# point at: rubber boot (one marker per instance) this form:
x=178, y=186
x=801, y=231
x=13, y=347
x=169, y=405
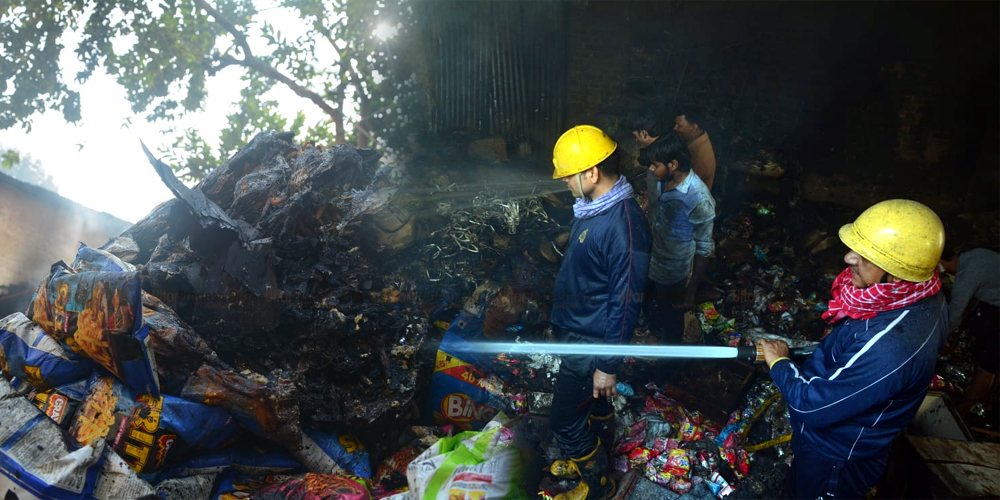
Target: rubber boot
x=565, y=469
x=595, y=482
x=604, y=428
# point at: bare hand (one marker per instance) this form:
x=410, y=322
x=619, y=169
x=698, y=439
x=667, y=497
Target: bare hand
x=604, y=384
x=773, y=349
x=643, y=138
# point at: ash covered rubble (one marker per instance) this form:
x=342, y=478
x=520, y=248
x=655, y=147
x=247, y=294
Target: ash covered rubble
x=737, y=441
x=262, y=259
x=257, y=300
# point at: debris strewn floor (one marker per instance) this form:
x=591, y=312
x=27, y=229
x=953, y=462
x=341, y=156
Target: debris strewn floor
x=305, y=324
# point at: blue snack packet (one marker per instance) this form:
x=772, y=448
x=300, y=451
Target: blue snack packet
x=30, y=354
x=324, y=453
x=60, y=403
x=143, y=428
x=98, y=314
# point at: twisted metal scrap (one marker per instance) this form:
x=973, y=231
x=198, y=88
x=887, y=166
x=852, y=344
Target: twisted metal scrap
x=465, y=227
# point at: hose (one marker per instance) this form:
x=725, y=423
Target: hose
x=985, y=431
x=769, y=443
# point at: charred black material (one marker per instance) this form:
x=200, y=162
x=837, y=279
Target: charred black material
x=254, y=261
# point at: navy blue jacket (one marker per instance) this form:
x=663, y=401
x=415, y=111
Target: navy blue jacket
x=865, y=382
x=598, y=292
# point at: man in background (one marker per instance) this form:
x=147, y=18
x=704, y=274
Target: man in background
x=975, y=303
x=682, y=237
x=688, y=128
x=647, y=130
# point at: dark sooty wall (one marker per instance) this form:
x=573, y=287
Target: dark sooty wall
x=901, y=97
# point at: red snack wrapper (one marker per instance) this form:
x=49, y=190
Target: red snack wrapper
x=697, y=418
x=691, y=431
x=779, y=306
x=654, y=406
x=742, y=462
x=674, y=414
x=708, y=309
x=626, y=444
x=639, y=457
x=656, y=473
x=732, y=441
x=678, y=464
x=661, y=444
x=939, y=383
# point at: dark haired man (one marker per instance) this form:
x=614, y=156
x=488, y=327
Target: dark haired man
x=647, y=130
x=682, y=236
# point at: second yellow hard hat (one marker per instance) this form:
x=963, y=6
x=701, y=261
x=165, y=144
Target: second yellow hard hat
x=903, y=237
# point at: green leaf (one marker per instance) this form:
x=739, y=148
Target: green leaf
x=9, y=159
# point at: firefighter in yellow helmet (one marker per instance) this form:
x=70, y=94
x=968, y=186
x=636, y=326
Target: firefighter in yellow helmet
x=597, y=297
x=864, y=383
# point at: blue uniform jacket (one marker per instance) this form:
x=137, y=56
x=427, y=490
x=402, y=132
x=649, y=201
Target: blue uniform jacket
x=864, y=383
x=598, y=292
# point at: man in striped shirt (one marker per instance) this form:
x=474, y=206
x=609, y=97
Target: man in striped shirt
x=682, y=237
x=866, y=380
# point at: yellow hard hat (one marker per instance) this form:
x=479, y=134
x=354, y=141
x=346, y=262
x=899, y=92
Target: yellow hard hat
x=903, y=237
x=580, y=148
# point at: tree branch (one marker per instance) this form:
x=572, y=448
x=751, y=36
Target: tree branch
x=250, y=61
x=241, y=39
x=295, y=87
x=224, y=62
x=327, y=35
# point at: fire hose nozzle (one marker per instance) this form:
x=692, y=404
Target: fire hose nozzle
x=750, y=354
x=753, y=354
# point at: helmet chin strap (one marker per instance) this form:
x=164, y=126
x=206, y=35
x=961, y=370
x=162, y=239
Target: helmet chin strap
x=579, y=183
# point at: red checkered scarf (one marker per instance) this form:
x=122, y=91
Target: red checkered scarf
x=863, y=303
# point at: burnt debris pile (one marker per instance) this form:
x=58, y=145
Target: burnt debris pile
x=262, y=259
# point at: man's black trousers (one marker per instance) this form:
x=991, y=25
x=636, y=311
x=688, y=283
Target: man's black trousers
x=813, y=475
x=574, y=402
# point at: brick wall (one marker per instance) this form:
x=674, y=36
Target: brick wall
x=38, y=228
x=598, y=63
